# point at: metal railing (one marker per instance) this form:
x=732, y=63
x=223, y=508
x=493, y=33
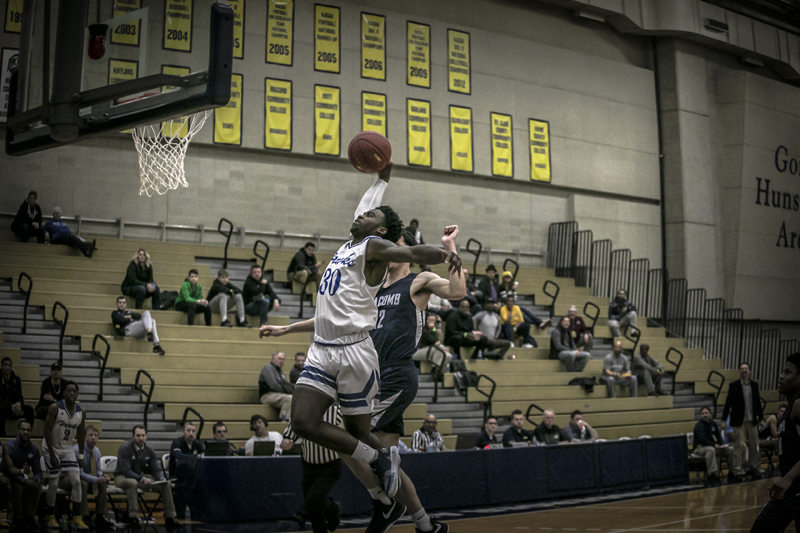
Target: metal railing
x=717, y=387
x=227, y=236
x=633, y=334
x=437, y=358
x=63, y=325
x=676, y=365
x=305, y=289
x=487, y=404
x=516, y=269
x=259, y=256
x=148, y=394
x=477, y=255
x=27, y=294
x=594, y=317
x=199, y=417
x=531, y=407
x=103, y=359
x=553, y=295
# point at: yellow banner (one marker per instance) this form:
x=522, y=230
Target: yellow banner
x=238, y=28
x=119, y=70
x=14, y=16
x=502, y=145
x=461, y=138
x=373, y=113
x=419, y=54
x=326, y=38
x=373, y=46
x=539, y=131
x=278, y=121
x=326, y=120
x=228, y=119
x=178, y=25
x=419, y=132
x=458, y=62
x=280, y=31
x=127, y=34
x=177, y=127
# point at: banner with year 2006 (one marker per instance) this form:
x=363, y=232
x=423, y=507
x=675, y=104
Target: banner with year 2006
x=327, y=120
x=278, y=115
x=461, y=138
x=228, y=119
x=327, y=44
x=373, y=113
x=238, y=28
x=373, y=46
x=419, y=132
x=178, y=16
x=280, y=32
x=502, y=145
x=539, y=135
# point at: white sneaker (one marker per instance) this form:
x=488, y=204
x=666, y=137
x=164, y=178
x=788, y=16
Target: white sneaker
x=527, y=345
x=512, y=345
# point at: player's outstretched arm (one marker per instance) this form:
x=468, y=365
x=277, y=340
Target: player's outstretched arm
x=279, y=331
x=374, y=195
x=778, y=488
x=386, y=252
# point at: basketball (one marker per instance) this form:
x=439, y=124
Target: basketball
x=369, y=152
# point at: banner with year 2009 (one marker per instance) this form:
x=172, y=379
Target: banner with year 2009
x=280, y=32
x=418, y=69
x=327, y=120
x=327, y=43
x=539, y=135
x=228, y=119
x=126, y=34
x=278, y=115
x=238, y=28
x=178, y=16
x=502, y=145
x=419, y=132
x=461, y=138
x=373, y=113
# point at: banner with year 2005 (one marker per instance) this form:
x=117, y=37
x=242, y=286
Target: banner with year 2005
x=228, y=119
x=238, y=28
x=327, y=120
x=128, y=33
x=178, y=16
x=327, y=44
x=280, y=32
x=539, y=135
x=373, y=113
x=418, y=69
x=278, y=115
x=373, y=46
x=419, y=132
x=461, y=138
x=502, y=145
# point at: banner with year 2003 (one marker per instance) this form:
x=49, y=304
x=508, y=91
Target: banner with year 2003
x=327, y=120
x=502, y=145
x=539, y=135
x=278, y=115
x=228, y=119
x=280, y=32
x=327, y=44
x=178, y=16
x=461, y=138
x=126, y=34
x=238, y=28
x=373, y=113
x=419, y=132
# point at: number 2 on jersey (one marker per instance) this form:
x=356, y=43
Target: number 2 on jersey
x=66, y=434
x=330, y=281
x=381, y=314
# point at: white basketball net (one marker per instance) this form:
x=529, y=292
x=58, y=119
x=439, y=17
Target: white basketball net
x=162, y=148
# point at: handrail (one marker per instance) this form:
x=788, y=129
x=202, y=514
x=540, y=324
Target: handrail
x=63, y=325
x=103, y=358
x=27, y=294
x=763, y=404
x=487, y=405
x=198, y=415
x=516, y=268
x=676, y=365
x=227, y=238
x=476, y=254
x=719, y=389
x=305, y=288
x=633, y=334
x=262, y=257
x=593, y=317
x=438, y=364
x=553, y=296
x=528, y=413
x=148, y=394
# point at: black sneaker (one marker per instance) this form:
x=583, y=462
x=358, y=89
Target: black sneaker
x=384, y=516
x=171, y=523
x=437, y=527
x=335, y=519
x=158, y=349
x=300, y=517
x=226, y=324
x=244, y=324
x=149, y=336
x=386, y=467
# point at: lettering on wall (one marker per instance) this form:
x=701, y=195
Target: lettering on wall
x=769, y=196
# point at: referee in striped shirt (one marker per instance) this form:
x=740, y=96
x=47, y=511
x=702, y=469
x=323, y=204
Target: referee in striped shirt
x=322, y=469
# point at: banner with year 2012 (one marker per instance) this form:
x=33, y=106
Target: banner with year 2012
x=461, y=138
x=238, y=28
x=418, y=69
x=419, y=132
x=373, y=46
x=327, y=44
x=280, y=32
x=373, y=113
x=502, y=145
x=126, y=34
x=228, y=119
x=539, y=135
x=458, y=59
x=278, y=115
x=327, y=120
x=178, y=16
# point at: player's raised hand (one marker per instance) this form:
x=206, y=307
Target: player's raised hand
x=453, y=262
x=449, y=238
x=386, y=173
x=271, y=331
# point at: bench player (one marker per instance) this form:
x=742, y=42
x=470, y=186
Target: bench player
x=342, y=363
x=64, y=424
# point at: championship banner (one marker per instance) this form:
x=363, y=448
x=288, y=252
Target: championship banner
x=373, y=46
x=419, y=54
x=373, y=113
x=178, y=25
x=10, y=58
x=14, y=16
x=458, y=62
x=280, y=32
x=326, y=38
x=120, y=70
x=127, y=34
x=419, y=132
x=502, y=145
x=179, y=127
x=228, y=119
x=327, y=120
x=461, y=138
x=539, y=131
x=278, y=115
x=238, y=28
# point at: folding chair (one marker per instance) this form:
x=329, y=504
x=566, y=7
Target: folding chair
x=109, y=463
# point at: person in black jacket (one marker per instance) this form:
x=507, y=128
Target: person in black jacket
x=490, y=290
x=139, y=283
x=460, y=333
x=51, y=392
x=743, y=404
x=621, y=314
x=218, y=296
x=304, y=265
x=138, y=326
x=258, y=295
x=28, y=221
x=12, y=404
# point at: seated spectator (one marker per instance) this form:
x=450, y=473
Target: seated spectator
x=258, y=425
x=12, y=403
x=92, y=480
x=273, y=389
x=578, y=430
x=617, y=371
x=578, y=330
x=190, y=299
x=562, y=347
x=25, y=469
x=138, y=282
x=488, y=287
x=52, y=391
x=621, y=314
x=768, y=433
x=184, y=451
x=513, y=323
x=515, y=434
x=426, y=438
x=57, y=232
x=221, y=435
x=507, y=286
x=219, y=293
x=439, y=306
x=186, y=444
x=548, y=432
x=138, y=467
x=304, y=265
x=28, y=220
x=648, y=370
x=138, y=326
x=488, y=323
x=460, y=333
x=486, y=439
x=6, y=472
x=258, y=295
x=708, y=444
x=297, y=369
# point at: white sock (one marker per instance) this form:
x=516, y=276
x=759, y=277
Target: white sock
x=378, y=493
x=422, y=520
x=365, y=453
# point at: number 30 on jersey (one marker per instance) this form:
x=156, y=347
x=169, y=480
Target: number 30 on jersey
x=330, y=281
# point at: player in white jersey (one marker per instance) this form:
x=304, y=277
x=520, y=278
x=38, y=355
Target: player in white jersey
x=65, y=423
x=342, y=364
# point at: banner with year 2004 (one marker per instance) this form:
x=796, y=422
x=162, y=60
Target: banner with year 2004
x=126, y=34
x=238, y=28
x=176, y=127
x=278, y=115
x=373, y=113
x=327, y=120
x=228, y=119
x=178, y=16
x=461, y=138
x=418, y=69
x=419, y=132
x=539, y=135
x=280, y=32
x=502, y=145
x=327, y=44
x=373, y=46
